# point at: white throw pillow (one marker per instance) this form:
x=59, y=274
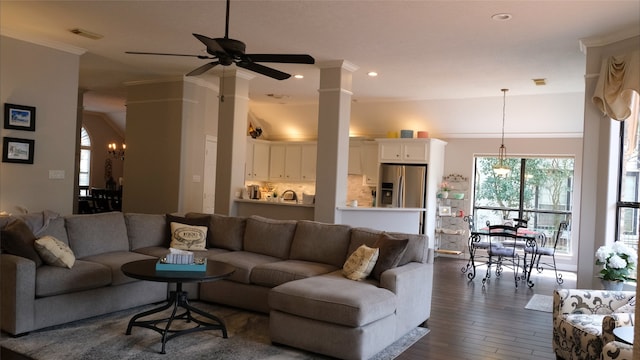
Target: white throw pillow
x=188, y=237
x=359, y=265
x=54, y=252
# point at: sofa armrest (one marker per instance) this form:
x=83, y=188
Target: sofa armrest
x=412, y=283
x=583, y=301
x=613, y=321
x=617, y=350
x=17, y=293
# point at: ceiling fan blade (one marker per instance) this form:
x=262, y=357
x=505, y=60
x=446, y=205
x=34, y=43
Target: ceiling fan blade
x=282, y=58
x=202, y=69
x=211, y=44
x=261, y=69
x=168, y=54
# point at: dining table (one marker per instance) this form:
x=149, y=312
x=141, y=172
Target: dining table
x=520, y=238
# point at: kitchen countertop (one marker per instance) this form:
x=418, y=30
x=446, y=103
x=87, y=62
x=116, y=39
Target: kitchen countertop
x=364, y=208
x=279, y=203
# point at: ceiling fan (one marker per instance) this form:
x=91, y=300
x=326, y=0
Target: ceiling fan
x=228, y=51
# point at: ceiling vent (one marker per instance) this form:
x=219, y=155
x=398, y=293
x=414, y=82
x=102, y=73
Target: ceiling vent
x=540, y=82
x=87, y=34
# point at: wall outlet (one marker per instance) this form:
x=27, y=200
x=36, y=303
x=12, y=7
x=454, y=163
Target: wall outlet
x=56, y=174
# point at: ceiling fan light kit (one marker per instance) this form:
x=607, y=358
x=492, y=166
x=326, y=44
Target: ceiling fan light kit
x=226, y=52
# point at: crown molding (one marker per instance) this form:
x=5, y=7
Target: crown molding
x=47, y=43
x=596, y=41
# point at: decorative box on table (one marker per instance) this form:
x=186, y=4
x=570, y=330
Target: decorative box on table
x=197, y=265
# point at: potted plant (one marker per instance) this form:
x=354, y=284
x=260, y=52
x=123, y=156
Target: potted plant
x=444, y=190
x=618, y=261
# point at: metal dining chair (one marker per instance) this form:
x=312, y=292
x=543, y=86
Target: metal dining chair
x=500, y=254
x=541, y=250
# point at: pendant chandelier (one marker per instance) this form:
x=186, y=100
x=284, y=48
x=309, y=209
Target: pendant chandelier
x=501, y=168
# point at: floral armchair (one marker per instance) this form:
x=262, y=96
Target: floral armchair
x=583, y=321
x=617, y=350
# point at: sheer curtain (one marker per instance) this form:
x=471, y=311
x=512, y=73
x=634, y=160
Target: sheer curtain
x=619, y=79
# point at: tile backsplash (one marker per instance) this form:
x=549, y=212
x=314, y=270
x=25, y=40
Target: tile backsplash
x=355, y=190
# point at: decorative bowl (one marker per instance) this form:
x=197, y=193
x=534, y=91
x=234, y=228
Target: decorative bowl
x=457, y=196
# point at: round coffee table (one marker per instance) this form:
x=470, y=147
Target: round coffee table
x=146, y=270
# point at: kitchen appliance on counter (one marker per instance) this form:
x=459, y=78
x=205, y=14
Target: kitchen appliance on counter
x=403, y=186
x=254, y=192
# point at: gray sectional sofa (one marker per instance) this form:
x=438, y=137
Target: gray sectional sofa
x=291, y=270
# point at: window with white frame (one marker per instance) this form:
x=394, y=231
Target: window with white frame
x=628, y=205
x=85, y=162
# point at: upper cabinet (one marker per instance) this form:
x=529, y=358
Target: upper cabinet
x=309, y=162
x=355, y=155
x=370, y=164
x=257, y=160
x=292, y=162
x=404, y=150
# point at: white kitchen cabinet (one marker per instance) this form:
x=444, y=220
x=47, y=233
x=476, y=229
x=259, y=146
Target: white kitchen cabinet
x=293, y=162
x=404, y=150
x=355, y=158
x=257, y=160
x=370, y=164
x=309, y=162
x=277, y=162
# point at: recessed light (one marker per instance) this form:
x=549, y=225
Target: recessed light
x=298, y=76
x=501, y=17
x=372, y=73
x=87, y=34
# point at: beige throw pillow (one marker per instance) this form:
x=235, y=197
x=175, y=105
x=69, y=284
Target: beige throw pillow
x=188, y=237
x=54, y=252
x=359, y=265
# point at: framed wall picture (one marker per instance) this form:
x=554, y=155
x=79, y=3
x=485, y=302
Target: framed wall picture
x=16, y=150
x=19, y=117
x=444, y=210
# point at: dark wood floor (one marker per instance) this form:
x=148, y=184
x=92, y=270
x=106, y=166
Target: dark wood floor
x=468, y=322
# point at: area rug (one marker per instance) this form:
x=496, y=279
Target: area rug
x=104, y=337
x=540, y=303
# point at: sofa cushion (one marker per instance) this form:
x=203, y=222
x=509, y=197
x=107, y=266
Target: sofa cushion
x=391, y=251
x=56, y=228
x=97, y=233
x=227, y=232
x=54, y=252
x=360, y=264
x=627, y=308
x=85, y=275
x=269, y=237
x=18, y=239
x=319, y=242
x=188, y=237
x=279, y=272
x=332, y=298
x=417, y=248
x=244, y=263
x=114, y=261
x=145, y=230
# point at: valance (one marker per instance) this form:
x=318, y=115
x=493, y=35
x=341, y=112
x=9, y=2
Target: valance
x=619, y=78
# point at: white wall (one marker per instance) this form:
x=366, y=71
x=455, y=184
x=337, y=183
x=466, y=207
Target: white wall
x=46, y=78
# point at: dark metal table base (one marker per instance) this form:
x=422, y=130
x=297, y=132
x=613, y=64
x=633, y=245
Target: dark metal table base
x=177, y=298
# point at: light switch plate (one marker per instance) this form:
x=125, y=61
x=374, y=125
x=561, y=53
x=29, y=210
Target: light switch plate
x=56, y=174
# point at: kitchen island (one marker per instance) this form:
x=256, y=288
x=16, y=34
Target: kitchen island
x=406, y=220
x=279, y=210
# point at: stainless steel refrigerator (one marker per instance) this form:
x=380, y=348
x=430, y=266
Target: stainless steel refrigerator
x=403, y=186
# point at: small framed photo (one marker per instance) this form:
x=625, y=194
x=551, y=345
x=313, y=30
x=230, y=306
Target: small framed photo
x=19, y=117
x=444, y=210
x=16, y=150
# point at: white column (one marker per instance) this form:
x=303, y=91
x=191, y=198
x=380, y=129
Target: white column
x=333, y=138
x=232, y=138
